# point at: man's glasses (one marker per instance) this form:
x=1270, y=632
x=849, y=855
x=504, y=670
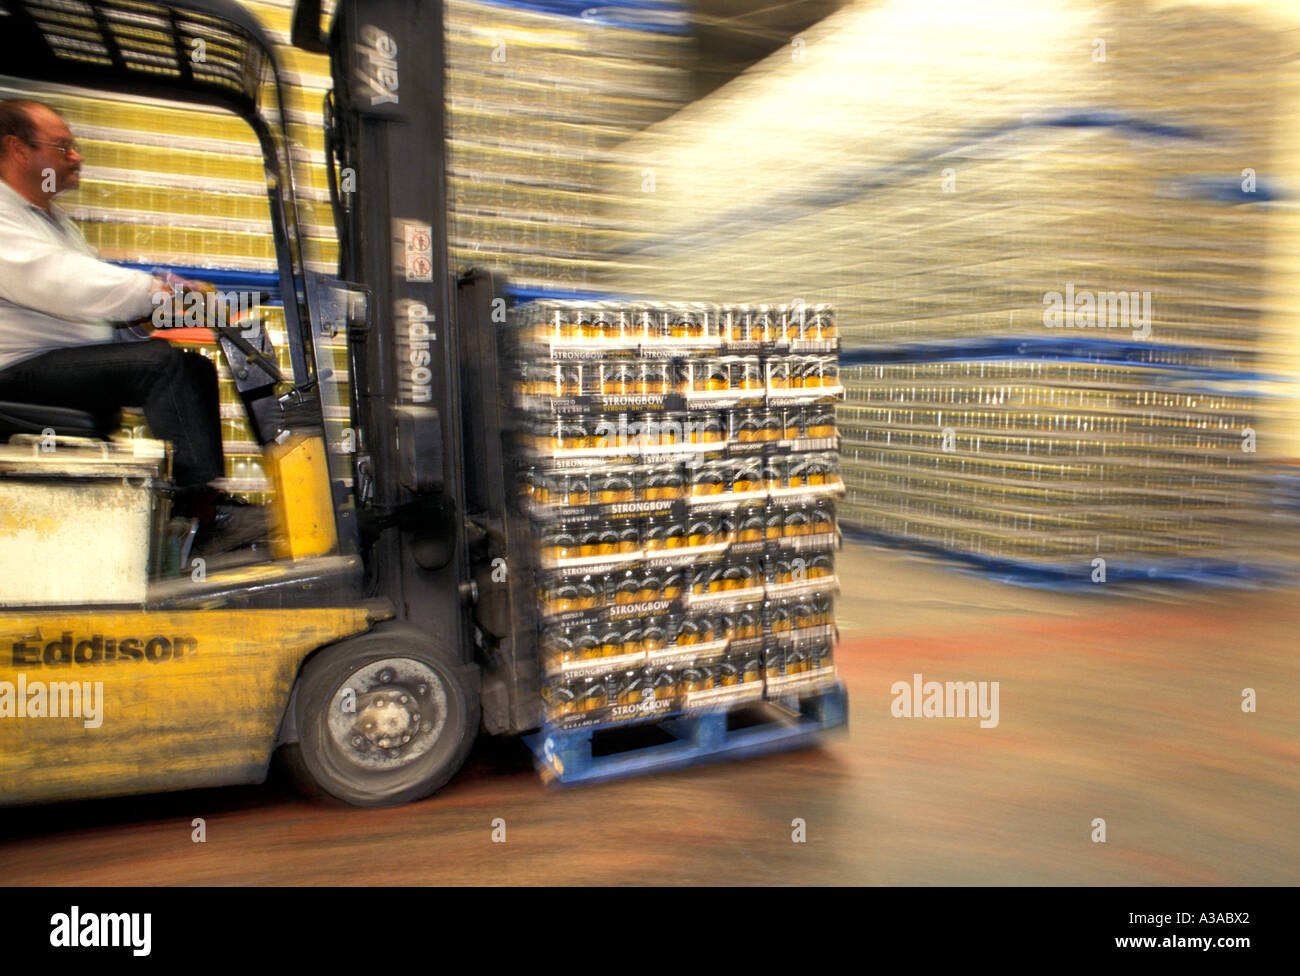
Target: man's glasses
x=62, y=148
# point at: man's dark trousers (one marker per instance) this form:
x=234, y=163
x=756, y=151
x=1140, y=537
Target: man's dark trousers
x=176, y=388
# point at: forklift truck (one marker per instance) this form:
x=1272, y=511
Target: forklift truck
x=394, y=621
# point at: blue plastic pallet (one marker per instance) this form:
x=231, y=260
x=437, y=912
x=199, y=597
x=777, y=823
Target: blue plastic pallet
x=565, y=756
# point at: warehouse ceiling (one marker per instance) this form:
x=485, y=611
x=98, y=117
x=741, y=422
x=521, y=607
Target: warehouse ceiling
x=734, y=34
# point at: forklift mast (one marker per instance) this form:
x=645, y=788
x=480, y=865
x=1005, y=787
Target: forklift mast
x=385, y=155
x=431, y=469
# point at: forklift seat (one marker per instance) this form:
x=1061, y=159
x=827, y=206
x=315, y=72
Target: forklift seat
x=35, y=418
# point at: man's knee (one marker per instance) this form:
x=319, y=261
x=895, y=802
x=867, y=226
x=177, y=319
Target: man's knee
x=200, y=369
x=191, y=368
x=177, y=372
x=157, y=356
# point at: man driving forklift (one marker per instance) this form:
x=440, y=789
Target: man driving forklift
x=58, y=346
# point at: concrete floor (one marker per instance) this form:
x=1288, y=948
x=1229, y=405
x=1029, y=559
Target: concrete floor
x=1112, y=704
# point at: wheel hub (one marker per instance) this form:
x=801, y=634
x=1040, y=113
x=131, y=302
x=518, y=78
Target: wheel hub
x=388, y=719
x=388, y=713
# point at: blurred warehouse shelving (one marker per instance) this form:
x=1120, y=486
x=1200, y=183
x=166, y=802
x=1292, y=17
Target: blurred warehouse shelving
x=938, y=170
x=537, y=101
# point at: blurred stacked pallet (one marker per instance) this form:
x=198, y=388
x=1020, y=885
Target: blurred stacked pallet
x=680, y=476
x=1048, y=464
x=939, y=172
x=538, y=95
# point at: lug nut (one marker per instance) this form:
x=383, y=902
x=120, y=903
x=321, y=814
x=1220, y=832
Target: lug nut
x=357, y=740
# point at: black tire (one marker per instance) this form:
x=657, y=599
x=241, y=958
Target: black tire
x=400, y=685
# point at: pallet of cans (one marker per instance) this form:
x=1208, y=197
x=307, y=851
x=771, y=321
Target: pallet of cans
x=680, y=470
x=1046, y=466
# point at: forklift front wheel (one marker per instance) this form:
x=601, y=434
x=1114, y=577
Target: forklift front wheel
x=383, y=722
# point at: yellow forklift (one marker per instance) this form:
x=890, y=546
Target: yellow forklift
x=379, y=635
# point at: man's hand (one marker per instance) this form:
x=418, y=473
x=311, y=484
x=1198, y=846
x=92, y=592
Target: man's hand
x=170, y=281
x=172, y=295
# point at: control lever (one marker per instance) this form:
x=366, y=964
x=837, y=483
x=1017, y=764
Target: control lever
x=235, y=337
x=295, y=393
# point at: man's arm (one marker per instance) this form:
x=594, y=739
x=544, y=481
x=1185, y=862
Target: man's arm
x=37, y=273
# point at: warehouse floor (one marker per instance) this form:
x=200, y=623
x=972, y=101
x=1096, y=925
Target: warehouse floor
x=1112, y=706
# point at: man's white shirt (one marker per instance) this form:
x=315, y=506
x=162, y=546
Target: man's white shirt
x=54, y=289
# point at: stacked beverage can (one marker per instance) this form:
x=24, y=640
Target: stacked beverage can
x=680, y=471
